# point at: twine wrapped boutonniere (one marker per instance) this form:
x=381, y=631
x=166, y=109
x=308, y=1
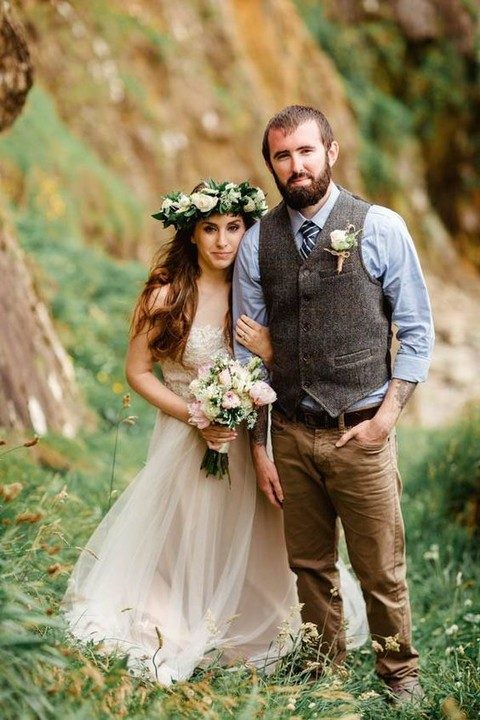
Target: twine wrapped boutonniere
x=342, y=241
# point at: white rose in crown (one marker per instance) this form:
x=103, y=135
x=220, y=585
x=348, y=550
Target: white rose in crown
x=167, y=204
x=183, y=202
x=342, y=241
x=249, y=206
x=203, y=202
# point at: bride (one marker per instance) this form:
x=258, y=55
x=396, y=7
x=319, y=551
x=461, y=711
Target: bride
x=184, y=563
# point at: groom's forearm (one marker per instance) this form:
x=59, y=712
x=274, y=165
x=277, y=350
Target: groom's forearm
x=398, y=394
x=259, y=432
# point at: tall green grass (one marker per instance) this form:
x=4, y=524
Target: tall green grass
x=44, y=676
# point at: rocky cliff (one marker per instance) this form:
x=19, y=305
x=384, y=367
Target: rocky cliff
x=137, y=97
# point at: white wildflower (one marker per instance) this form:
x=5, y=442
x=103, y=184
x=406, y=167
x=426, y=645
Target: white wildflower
x=391, y=643
x=368, y=695
x=432, y=553
x=452, y=630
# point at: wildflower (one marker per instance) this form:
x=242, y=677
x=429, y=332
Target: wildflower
x=309, y=632
x=452, y=630
x=376, y=646
x=368, y=695
x=290, y=706
x=31, y=443
x=451, y=710
x=207, y=700
x=458, y=579
x=29, y=517
x=10, y=492
x=468, y=602
x=292, y=700
x=211, y=624
x=334, y=592
x=126, y=400
x=130, y=420
x=159, y=638
x=50, y=549
x=391, y=643
x=432, y=553
x=189, y=692
x=449, y=650
x=472, y=618
x=311, y=705
x=461, y=650
x=62, y=495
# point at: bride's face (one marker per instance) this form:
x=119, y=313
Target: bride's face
x=217, y=239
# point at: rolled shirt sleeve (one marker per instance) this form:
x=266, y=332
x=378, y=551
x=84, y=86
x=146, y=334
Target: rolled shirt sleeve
x=390, y=256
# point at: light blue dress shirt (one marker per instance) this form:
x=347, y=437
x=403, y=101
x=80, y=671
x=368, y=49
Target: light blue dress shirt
x=389, y=256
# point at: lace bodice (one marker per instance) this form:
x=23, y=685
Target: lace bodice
x=203, y=342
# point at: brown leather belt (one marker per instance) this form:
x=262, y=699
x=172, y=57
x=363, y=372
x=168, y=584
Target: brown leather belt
x=323, y=421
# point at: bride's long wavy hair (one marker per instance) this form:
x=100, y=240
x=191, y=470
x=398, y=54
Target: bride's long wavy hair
x=168, y=326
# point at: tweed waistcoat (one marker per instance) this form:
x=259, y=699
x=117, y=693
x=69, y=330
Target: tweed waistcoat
x=331, y=332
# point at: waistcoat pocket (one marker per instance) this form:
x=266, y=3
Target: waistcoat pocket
x=352, y=358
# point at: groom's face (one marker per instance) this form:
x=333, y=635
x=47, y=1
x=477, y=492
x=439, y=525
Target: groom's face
x=300, y=164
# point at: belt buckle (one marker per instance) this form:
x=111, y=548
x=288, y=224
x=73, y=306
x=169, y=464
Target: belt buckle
x=310, y=419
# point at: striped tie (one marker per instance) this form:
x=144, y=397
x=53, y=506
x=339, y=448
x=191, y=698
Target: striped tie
x=309, y=233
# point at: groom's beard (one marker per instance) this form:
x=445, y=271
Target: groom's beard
x=304, y=196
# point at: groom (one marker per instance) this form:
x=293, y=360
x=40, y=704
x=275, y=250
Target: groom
x=333, y=425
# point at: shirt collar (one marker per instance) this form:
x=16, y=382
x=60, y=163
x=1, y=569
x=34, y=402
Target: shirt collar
x=320, y=217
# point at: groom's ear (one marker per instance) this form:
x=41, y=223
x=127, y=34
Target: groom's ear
x=332, y=153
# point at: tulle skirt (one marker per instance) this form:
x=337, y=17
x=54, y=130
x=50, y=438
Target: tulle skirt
x=184, y=564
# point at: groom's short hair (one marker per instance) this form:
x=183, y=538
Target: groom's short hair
x=290, y=118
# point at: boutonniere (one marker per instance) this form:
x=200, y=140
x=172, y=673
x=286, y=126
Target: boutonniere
x=342, y=241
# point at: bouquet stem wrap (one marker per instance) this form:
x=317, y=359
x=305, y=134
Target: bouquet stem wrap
x=215, y=462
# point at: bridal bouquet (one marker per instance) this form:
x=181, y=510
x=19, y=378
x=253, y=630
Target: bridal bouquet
x=227, y=393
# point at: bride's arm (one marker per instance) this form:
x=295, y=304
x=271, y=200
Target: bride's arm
x=141, y=378
x=254, y=337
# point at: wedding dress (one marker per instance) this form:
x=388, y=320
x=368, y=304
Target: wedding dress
x=183, y=564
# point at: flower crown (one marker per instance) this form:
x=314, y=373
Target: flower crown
x=181, y=210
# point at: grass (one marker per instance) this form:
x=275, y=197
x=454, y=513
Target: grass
x=43, y=676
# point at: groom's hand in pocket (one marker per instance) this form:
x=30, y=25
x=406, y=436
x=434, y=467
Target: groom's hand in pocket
x=267, y=476
x=368, y=432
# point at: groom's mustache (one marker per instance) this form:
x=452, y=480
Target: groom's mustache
x=299, y=176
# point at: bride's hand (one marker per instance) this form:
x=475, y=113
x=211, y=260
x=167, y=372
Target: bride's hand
x=254, y=337
x=217, y=435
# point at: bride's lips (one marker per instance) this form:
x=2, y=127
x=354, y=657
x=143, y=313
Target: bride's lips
x=223, y=255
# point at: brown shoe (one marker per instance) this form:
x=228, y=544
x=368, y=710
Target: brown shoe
x=406, y=691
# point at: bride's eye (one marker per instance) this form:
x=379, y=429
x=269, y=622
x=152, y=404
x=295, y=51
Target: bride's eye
x=234, y=228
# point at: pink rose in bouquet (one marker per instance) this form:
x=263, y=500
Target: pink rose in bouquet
x=261, y=393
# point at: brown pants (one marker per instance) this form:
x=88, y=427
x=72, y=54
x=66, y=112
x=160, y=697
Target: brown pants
x=361, y=486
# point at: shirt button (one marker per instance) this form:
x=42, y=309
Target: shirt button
x=306, y=272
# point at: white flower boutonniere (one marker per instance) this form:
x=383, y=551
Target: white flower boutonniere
x=342, y=241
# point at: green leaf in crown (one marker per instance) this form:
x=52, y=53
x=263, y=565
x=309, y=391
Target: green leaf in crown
x=180, y=210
